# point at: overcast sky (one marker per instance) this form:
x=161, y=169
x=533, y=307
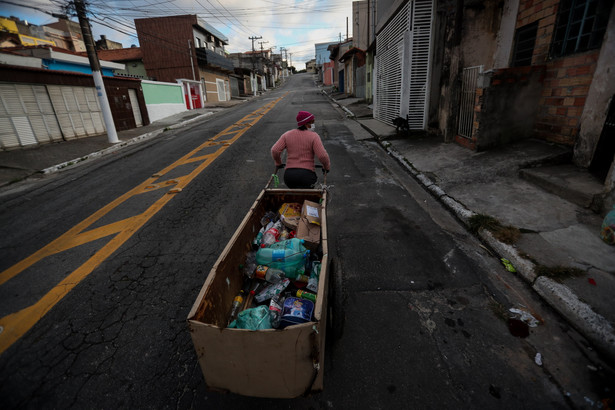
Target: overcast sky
x=295, y=25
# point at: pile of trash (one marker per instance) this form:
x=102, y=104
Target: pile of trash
x=282, y=271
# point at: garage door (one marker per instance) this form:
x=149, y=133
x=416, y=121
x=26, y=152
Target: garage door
x=26, y=116
x=403, y=50
x=77, y=110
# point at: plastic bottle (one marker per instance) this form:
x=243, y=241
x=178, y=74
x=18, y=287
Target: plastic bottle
x=256, y=243
x=306, y=295
x=275, y=310
x=237, y=303
x=272, y=234
x=295, y=244
x=269, y=216
x=289, y=256
x=253, y=289
x=285, y=234
x=314, y=277
x=250, y=265
x=271, y=275
x=271, y=290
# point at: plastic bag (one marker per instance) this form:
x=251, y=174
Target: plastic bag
x=607, y=233
x=257, y=318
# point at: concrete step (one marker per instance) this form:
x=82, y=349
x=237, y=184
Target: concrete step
x=569, y=182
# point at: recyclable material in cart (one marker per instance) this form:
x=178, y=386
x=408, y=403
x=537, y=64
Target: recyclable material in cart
x=289, y=256
x=309, y=224
x=290, y=354
x=296, y=311
x=290, y=213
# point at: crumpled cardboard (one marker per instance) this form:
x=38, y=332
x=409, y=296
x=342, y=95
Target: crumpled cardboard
x=309, y=224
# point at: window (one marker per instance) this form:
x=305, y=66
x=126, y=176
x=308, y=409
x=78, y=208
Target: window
x=198, y=43
x=580, y=26
x=525, y=37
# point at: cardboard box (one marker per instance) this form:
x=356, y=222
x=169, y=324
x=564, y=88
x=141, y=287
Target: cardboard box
x=266, y=363
x=309, y=224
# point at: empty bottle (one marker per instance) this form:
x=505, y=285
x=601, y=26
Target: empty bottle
x=271, y=275
x=275, y=310
x=306, y=295
x=285, y=234
x=271, y=290
x=293, y=243
x=289, y=256
x=256, y=243
x=314, y=277
x=269, y=216
x=272, y=234
x=236, y=306
x=250, y=265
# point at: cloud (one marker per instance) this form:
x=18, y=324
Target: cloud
x=294, y=24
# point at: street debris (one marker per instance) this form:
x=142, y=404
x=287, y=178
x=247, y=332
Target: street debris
x=509, y=266
x=525, y=317
x=538, y=359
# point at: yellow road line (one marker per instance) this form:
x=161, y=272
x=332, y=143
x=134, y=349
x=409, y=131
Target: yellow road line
x=17, y=324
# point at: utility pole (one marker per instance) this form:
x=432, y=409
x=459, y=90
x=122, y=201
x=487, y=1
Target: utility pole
x=95, y=66
x=263, y=57
x=291, y=61
x=253, y=64
x=282, y=50
x=261, y=43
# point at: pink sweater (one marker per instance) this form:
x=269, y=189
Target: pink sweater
x=301, y=146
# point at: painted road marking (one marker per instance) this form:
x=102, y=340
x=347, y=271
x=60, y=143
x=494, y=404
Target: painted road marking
x=17, y=324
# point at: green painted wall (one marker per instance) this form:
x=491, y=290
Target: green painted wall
x=162, y=93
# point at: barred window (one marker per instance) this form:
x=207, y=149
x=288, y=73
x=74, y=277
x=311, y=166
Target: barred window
x=580, y=26
x=525, y=38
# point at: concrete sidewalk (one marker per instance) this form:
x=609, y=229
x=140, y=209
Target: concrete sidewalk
x=32, y=162
x=529, y=185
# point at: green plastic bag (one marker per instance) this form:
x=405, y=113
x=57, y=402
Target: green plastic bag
x=607, y=233
x=257, y=318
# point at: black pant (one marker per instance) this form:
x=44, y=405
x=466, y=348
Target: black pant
x=300, y=178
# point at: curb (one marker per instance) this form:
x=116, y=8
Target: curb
x=561, y=298
x=120, y=145
x=593, y=326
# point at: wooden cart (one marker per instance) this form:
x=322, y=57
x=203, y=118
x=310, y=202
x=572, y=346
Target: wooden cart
x=267, y=363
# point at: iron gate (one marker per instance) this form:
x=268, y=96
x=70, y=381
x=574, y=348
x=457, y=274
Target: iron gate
x=469, y=80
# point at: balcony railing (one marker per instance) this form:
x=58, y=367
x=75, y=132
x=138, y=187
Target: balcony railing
x=207, y=57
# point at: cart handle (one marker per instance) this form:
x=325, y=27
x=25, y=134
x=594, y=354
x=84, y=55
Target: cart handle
x=274, y=175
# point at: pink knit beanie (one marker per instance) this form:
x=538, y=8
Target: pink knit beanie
x=303, y=118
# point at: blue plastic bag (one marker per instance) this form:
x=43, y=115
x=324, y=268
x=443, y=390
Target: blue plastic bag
x=257, y=318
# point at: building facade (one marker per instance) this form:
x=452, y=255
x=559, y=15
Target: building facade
x=187, y=50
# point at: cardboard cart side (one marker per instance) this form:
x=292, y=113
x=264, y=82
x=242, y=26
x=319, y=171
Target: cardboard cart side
x=267, y=363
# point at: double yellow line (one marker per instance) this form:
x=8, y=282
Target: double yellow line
x=17, y=324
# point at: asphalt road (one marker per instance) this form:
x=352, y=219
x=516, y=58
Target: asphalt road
x=424, y=302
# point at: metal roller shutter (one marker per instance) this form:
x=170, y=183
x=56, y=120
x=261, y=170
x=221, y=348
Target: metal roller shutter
x=57, y=100
x=422, y=17
x=403, y=65
x=72, y=107
x=27, y=116
x=8, y=135
x=389, y=52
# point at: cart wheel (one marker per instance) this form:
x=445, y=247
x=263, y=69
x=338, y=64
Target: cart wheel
x=335, y=302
